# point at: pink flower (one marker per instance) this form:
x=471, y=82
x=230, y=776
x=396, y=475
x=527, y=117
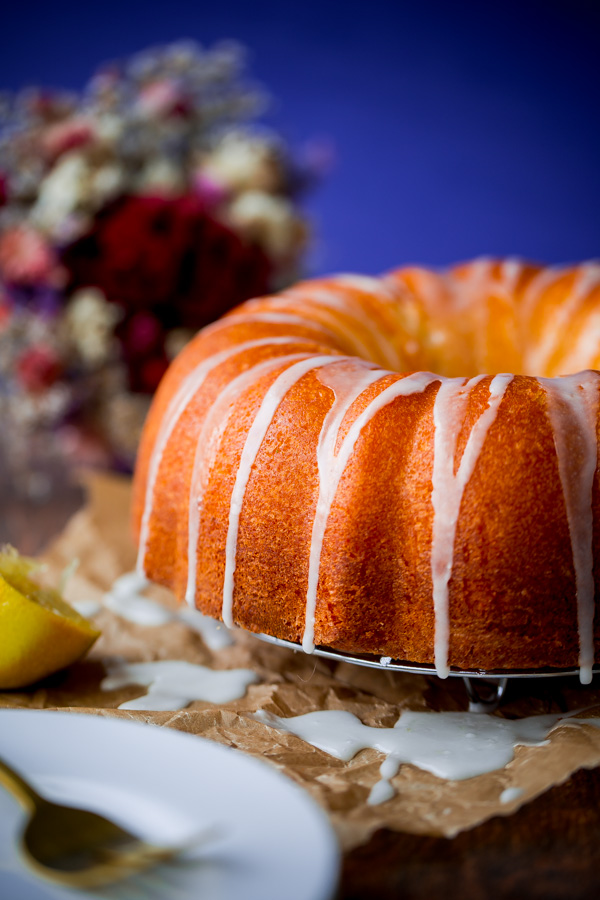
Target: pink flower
x=5, y=311
x=62, y=136
x=163, y=98
x=26, y=257
x=209, y=191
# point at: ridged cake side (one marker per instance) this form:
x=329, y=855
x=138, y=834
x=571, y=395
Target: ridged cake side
x=290, y=480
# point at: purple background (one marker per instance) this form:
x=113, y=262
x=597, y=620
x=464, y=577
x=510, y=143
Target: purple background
x=461, y=128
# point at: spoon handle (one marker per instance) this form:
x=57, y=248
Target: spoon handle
x=18, y=787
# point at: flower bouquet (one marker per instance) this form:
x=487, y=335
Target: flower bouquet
x=131, y=215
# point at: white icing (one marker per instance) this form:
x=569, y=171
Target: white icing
x=207, y=447
x=538, y=285
x=347, y=384
x=215, y=634
x=584, y=350
x=451, y=745
x=468, y=292
x=448, y=488
x=511, y=273
x=86, y=607
x=349, y=307
x=573, y=409
x=190, y=385
x=270, y=403
x=281, y=318
x=381, y=791
x=403, y=387
x=327, y=311
x=127, y=600
x=368, y=284
x=587, y=278
x=173, y=684
x=131, y=584
x=511, y=793
x=376, y=290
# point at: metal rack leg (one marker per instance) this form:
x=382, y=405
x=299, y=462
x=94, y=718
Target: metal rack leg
x=485, y=694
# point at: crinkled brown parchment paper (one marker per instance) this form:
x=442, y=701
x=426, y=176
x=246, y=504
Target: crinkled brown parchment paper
x=293, y=683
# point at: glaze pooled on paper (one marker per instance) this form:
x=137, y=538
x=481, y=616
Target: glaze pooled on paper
x=174, y=684
x=451, y=745
x=126, y=599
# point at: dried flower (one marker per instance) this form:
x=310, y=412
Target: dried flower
x=240, y=162
x=88, y=326
x=131, y=215
x=270, y=221
x=38, y=368
x=26, y=257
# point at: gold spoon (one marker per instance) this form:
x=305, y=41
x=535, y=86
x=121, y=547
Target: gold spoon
x=76, y=847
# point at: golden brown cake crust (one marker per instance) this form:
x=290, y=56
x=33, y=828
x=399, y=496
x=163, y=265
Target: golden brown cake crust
x=514, y=598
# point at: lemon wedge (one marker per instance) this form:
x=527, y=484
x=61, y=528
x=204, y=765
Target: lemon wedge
x=39, y=632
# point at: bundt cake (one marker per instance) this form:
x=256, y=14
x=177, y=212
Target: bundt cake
x=303, y=473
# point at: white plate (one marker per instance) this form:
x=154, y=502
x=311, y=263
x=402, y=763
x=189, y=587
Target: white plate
x=272, y=840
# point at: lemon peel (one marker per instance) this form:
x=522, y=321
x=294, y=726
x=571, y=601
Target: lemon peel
x=39, y=632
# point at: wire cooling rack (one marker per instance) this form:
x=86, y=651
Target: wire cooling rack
x=485, y=688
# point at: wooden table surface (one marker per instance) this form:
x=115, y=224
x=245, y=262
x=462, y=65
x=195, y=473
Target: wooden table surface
x=547, y=850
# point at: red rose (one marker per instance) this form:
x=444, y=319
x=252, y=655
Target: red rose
x=38, y=368
x=146, y=252
x=169, y=258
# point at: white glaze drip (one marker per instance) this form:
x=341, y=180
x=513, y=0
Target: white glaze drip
x=388, y=355
x=468, y=292
x=586, y=280
x=347, y=384
x=584, y=350
x=281, y=318
x=374, y=288
x=451, y=745
x=511, y=273
x=534, y=292
x=214, y=633
x=174, y=684
x=368, y=284
x=86, y=607
x=448, y=415
x=190, y=385
x=573, y=409
x=254, y=439
x=509, y=794
x=381, y=791
x=324, y=310
x=207, y=446
x=540, y=283
x=126, y=599
x=412, y=384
